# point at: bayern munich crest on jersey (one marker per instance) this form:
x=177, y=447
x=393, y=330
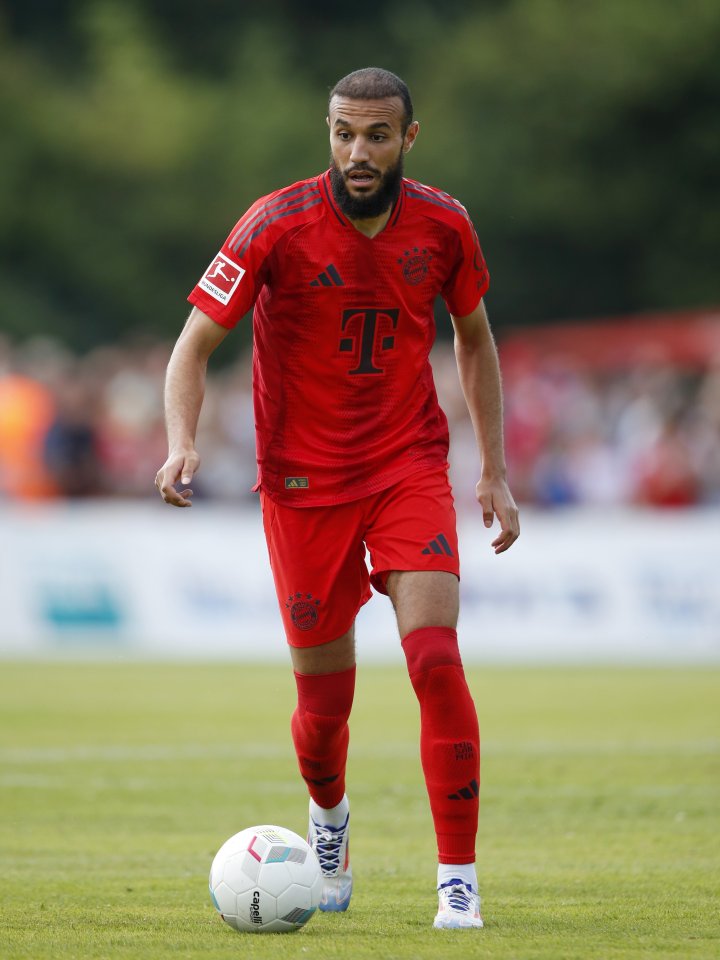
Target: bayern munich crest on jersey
x=221, y=278
x=415, y=264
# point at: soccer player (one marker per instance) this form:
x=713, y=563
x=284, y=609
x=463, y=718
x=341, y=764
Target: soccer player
x=343, y=270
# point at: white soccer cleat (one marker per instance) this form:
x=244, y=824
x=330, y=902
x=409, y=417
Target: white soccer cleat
x=332, y=848
x=458, y=908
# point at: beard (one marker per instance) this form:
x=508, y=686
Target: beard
x=374, y=205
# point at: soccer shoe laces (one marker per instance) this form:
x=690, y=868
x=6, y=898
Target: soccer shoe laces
x=459, y=907
x=327, y=846
x=458, y=895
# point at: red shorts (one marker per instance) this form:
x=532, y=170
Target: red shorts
x=317, y=554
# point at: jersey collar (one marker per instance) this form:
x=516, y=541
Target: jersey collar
x=326, y=189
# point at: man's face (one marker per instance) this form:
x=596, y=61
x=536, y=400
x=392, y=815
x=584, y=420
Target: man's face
x=367, y=146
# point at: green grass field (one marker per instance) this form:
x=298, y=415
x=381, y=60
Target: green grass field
x=599, y=838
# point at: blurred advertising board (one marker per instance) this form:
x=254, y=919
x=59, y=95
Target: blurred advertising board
x=93, y=579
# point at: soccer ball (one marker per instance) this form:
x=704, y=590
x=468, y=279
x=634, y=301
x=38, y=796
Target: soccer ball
x=266, y=879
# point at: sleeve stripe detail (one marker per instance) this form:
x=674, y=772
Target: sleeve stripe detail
x=293, y=201
x=242, y=245
x=439, y=200
x=266, y=207
x=433, y=192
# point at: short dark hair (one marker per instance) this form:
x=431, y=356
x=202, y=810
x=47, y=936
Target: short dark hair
x=374, y=83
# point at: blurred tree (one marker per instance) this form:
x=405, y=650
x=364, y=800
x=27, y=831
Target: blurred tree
x=118, y=187
x=582, y=137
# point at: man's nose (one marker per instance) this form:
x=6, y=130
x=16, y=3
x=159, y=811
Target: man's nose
x=359, y=152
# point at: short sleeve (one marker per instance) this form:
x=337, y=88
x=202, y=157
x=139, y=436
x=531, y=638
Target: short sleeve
x=234, y=278
x=469, y=278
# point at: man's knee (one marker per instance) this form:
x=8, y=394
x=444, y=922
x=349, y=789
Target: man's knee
x=430, y=647
x=332, y=657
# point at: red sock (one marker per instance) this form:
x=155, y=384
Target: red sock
x=320, y=732
x=449, y=739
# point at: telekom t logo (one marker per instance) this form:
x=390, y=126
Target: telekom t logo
x=365, y=325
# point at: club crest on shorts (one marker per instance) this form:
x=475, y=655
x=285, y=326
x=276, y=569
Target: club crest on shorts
x=303, y=609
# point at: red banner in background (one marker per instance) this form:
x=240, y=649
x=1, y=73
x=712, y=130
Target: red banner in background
x=687, y=338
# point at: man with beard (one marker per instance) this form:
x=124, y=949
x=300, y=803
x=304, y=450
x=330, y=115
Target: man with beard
x=343, y=270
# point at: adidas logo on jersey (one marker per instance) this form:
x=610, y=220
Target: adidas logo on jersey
x=328, y=278
x=439, y=545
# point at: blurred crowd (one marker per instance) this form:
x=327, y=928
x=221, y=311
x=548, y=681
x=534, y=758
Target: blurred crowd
x=91, y=426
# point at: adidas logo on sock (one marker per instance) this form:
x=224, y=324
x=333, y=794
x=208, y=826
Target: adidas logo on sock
x=439, y=545
x=321, y=781
x=466, y=793
x=328, y=278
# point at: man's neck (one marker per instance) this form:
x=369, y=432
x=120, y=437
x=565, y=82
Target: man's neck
x=372, y=226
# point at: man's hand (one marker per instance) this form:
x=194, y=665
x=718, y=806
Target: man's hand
x=179, y=467
x=496, y=501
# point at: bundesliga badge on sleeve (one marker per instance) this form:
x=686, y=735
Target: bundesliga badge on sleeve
x=221, y=278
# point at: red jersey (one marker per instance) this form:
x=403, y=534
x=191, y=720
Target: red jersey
x=345, y=403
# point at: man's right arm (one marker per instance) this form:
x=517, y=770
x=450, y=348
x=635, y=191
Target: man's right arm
x=184, y=393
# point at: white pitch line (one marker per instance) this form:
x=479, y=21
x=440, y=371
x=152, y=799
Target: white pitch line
x=164, y=752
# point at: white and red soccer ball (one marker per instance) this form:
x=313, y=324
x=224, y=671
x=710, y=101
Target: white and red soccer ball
x=266, y=879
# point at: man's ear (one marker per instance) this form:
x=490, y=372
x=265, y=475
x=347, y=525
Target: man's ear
x=410, y=135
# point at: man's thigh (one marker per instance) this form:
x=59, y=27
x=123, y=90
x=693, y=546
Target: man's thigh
x=317, y=556
x=413, y=526
x=423, y=598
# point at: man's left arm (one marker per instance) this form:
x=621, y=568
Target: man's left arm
x=479, y=371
